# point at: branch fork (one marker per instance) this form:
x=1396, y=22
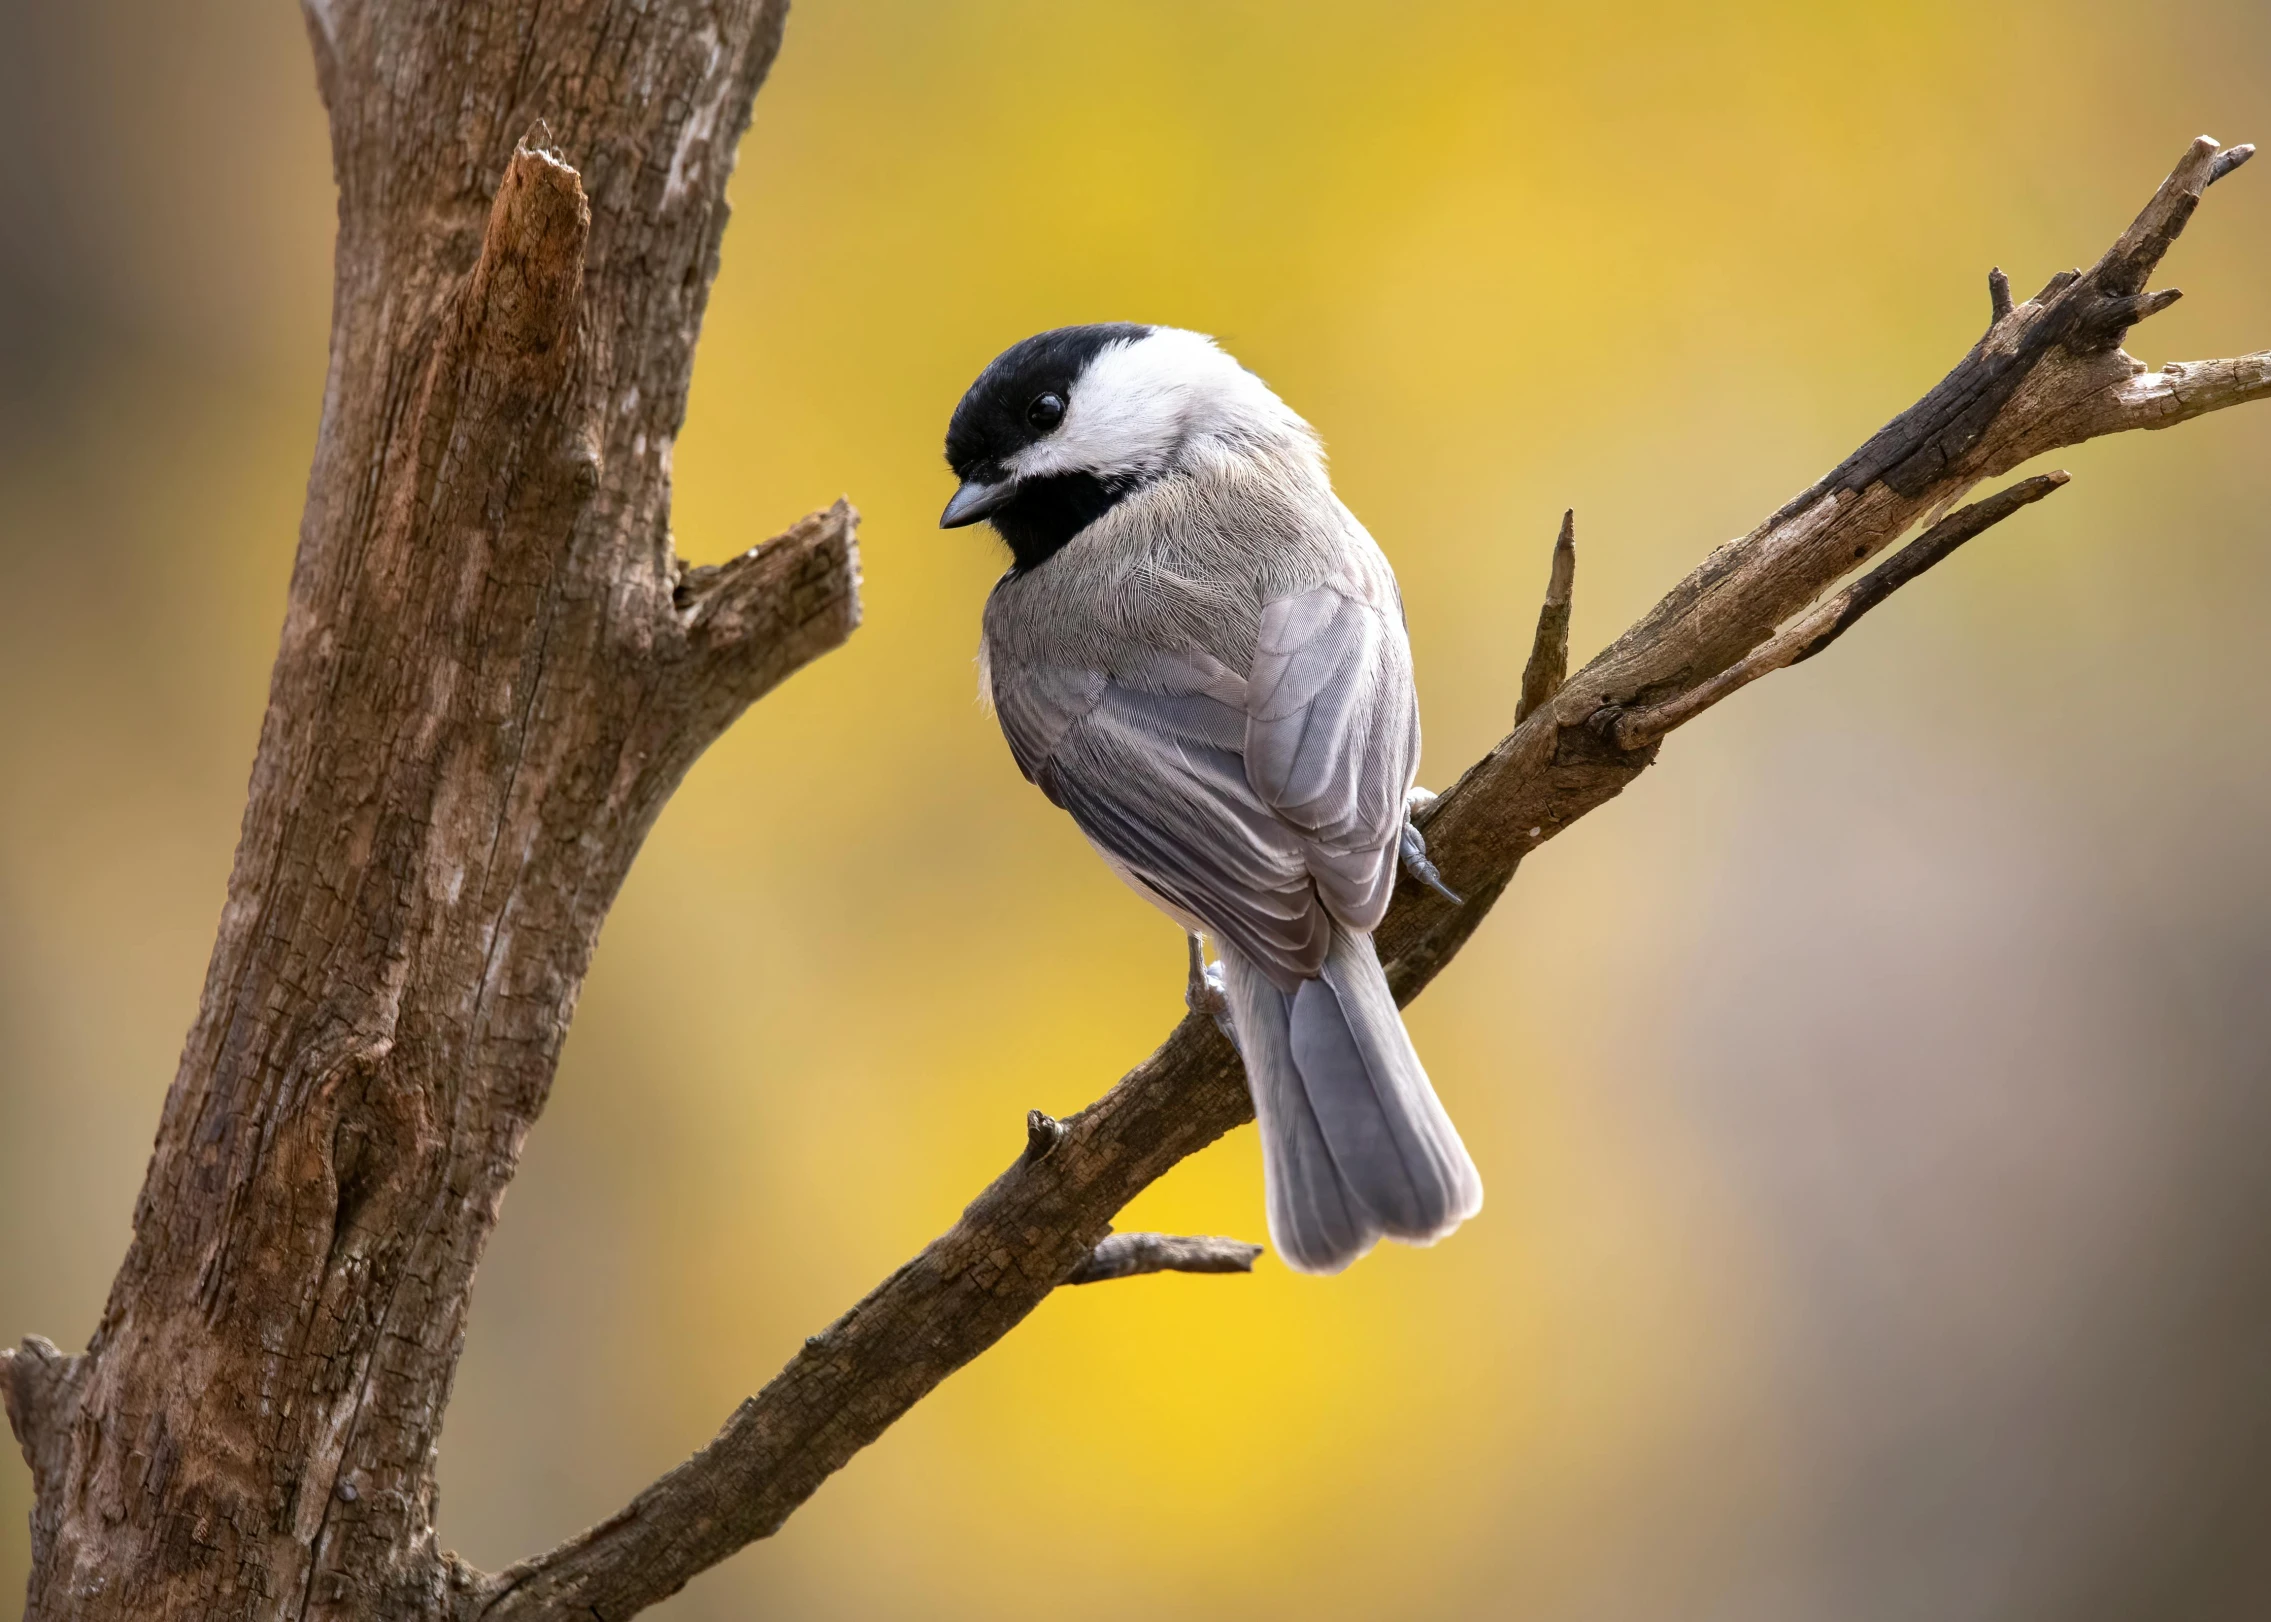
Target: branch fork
x=1825, y=622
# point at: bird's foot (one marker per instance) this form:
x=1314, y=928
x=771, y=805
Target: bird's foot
x=1414, y=849
x=1204, y=992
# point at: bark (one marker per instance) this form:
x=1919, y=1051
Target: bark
x=493, y=672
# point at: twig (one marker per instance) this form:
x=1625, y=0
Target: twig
x=755, y=619
x=1549, y=649
x=1828, y=620
x=1124, y=1255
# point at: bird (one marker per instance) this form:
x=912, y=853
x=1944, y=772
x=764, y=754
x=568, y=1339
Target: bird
x=1200, y=654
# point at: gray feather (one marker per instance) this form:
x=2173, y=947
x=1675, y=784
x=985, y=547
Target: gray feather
x=1267, y=806
x=1332, y=740
x=1354, y=1142
x=1315, y=1225
x=1036, y=705
x=1152, y=767
x=1406, y=1162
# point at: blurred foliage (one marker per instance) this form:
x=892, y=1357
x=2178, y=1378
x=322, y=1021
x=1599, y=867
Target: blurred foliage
x=1871, y=1101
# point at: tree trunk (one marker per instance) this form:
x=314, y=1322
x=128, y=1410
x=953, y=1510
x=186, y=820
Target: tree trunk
x=493, y=672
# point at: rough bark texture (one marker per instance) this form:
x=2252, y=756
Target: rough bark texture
x=493, y=672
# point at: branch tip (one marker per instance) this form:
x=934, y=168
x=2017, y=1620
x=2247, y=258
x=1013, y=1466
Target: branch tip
x=1549, y=649
x=761, y=615
x=2228, y=160
x=2151, y=304
x=1043, y=1132
x=1125, y=1255
x=2130, y=262
x=1998, y=293
x=1564, y=573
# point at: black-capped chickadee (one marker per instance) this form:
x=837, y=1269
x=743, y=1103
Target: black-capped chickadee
x=1200, y=654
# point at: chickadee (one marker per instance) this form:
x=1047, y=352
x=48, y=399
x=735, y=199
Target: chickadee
x=1200, y=654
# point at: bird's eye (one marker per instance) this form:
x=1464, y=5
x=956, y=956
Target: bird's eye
x=1046, y=411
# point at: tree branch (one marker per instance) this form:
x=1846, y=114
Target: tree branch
x=756, y=619
x=1549, y=649
x=2048, y=373
x=1828, y=620
x=1124, y=1255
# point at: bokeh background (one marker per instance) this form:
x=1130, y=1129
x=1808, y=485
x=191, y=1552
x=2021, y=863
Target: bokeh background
x=1874, y=1100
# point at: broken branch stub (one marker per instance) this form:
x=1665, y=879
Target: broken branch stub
x=1128, y=1255
x=1549, y=648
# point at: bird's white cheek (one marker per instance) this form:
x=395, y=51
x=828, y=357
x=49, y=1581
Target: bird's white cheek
x=1108, y=432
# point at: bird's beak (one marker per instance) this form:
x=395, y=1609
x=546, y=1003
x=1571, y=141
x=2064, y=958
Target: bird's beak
x=976, y=500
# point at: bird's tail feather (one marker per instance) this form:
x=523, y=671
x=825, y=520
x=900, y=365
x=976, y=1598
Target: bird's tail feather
x=1354, y=1143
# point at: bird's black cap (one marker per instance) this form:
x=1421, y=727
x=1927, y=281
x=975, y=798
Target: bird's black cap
x=991, y=425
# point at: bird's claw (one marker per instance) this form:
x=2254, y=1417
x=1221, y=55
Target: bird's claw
x=1413, y=849
x=1205, y=992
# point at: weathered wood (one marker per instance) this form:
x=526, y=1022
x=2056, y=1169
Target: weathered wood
x=1826, y=621
x=1129, y=1255
x=1998, y=294
x=492, y=673
x=1548, y=666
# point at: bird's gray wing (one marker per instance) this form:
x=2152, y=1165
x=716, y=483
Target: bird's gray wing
x=1151, y=765
x=1332, y=734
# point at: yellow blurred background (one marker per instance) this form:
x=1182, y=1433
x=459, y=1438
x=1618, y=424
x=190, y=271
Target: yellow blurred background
x=1873, y=1101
